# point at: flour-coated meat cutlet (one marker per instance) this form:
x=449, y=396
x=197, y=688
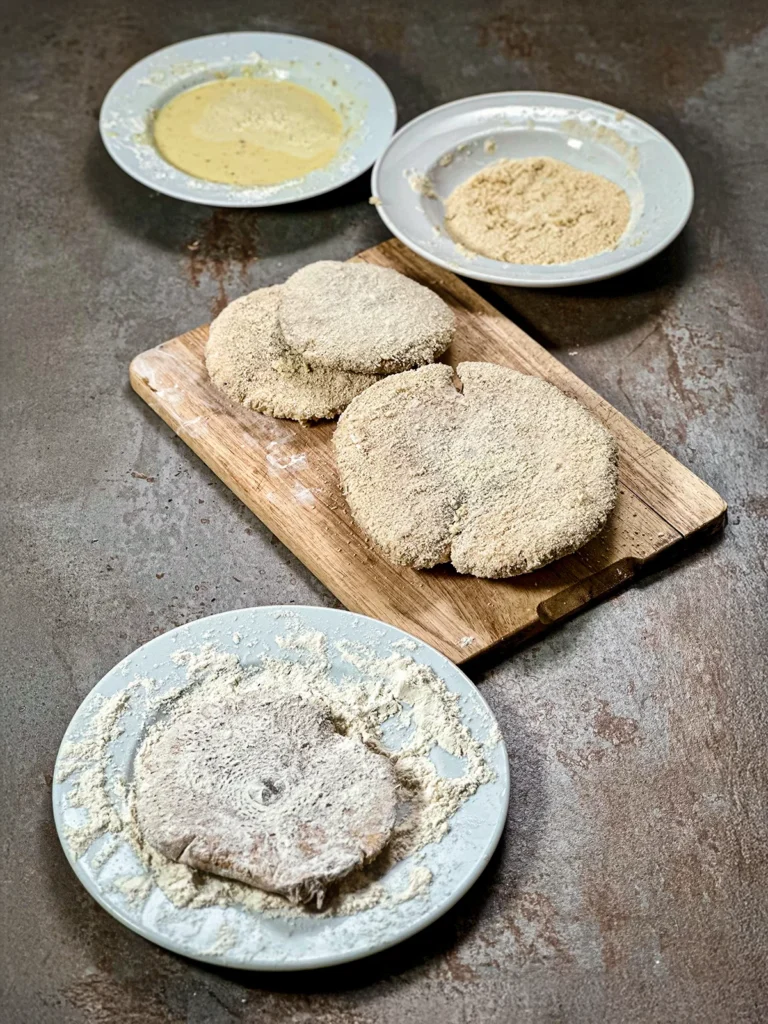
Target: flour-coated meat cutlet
x=264, y=791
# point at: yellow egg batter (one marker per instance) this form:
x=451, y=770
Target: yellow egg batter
x=248, y=131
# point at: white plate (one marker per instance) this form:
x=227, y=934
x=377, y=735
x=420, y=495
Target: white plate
x=355, y=90
x=589, y=135
x=268, y=943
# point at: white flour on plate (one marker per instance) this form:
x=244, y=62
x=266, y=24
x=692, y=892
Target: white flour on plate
x=392, y=703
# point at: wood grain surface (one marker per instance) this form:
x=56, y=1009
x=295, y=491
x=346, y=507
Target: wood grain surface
x=285, y=473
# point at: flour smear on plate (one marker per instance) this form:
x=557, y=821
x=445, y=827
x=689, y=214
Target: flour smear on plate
x=392, y=703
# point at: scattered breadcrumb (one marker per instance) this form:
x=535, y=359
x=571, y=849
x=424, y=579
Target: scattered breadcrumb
x=468, y=254
x=422, y=184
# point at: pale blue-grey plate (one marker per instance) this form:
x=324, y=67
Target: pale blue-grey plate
x=431, y=155
x=255, y=941
x=359, y=95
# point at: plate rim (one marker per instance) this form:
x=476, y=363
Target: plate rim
x=318, y=962
x=183, y=196
x=510, y=278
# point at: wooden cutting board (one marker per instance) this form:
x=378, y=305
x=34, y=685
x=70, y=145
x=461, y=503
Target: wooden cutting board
x=285, y=473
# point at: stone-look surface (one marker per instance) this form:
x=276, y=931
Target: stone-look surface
x=631, y=883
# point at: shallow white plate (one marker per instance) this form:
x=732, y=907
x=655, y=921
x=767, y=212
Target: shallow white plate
x=280, y=944
x=589, y=135
x=355, y=90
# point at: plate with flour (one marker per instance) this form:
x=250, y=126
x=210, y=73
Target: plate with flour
x=386, y=697
x=533, y=189
x=341, y=88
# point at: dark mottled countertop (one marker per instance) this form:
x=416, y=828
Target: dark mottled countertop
x=631, y=884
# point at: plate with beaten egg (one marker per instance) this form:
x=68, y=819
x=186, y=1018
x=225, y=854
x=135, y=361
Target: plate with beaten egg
x=247, y=119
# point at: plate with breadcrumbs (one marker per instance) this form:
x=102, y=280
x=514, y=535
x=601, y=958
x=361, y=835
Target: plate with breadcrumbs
x=535, y=189
x=281, y=788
